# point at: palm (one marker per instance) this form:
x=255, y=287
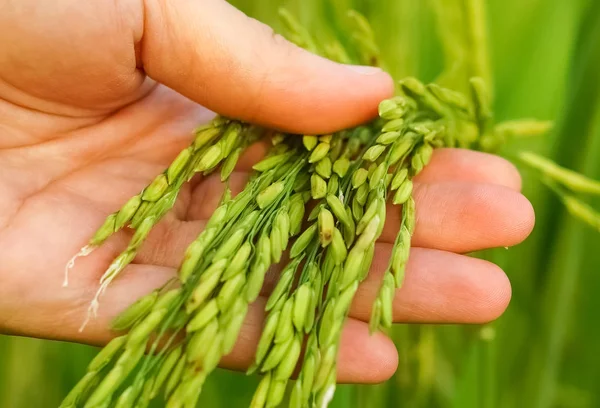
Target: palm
x=105, y=165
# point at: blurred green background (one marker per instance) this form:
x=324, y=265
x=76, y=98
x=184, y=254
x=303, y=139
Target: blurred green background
x=544, y=352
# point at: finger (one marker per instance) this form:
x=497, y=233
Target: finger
x=454, y=216
x=214, y=54
x=464, y=217
x=355, y=365
x=48, y=65
x=447, y=165
x=470, y=166
x=439, y=287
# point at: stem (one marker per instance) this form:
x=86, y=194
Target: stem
x=556, y=330
x=570, y=264
x=477, y=58
x=449, y=27
x=488, y=366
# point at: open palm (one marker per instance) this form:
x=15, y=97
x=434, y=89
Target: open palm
x=83, y=127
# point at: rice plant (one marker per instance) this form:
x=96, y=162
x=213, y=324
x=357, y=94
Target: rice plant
x=346, y=177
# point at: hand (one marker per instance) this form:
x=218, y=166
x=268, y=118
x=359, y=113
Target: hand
x=94, y=103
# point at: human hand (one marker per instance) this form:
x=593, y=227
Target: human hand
x=94, y=103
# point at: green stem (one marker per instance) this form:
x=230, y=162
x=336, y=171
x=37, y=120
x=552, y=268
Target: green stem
x=572, y=258
x=488, y=367
x=449, y=27
x=477, y=58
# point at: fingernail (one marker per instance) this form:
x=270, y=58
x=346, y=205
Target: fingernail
x=364, y=69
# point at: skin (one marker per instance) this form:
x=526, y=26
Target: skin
x=97, y=97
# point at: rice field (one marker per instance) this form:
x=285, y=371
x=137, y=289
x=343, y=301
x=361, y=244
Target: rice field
x=543, y=353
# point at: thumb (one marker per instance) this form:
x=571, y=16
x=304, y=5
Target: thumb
x=232, y=64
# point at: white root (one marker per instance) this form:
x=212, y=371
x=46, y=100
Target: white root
x=112, y=272
x=85, y=251
x=92, y=311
